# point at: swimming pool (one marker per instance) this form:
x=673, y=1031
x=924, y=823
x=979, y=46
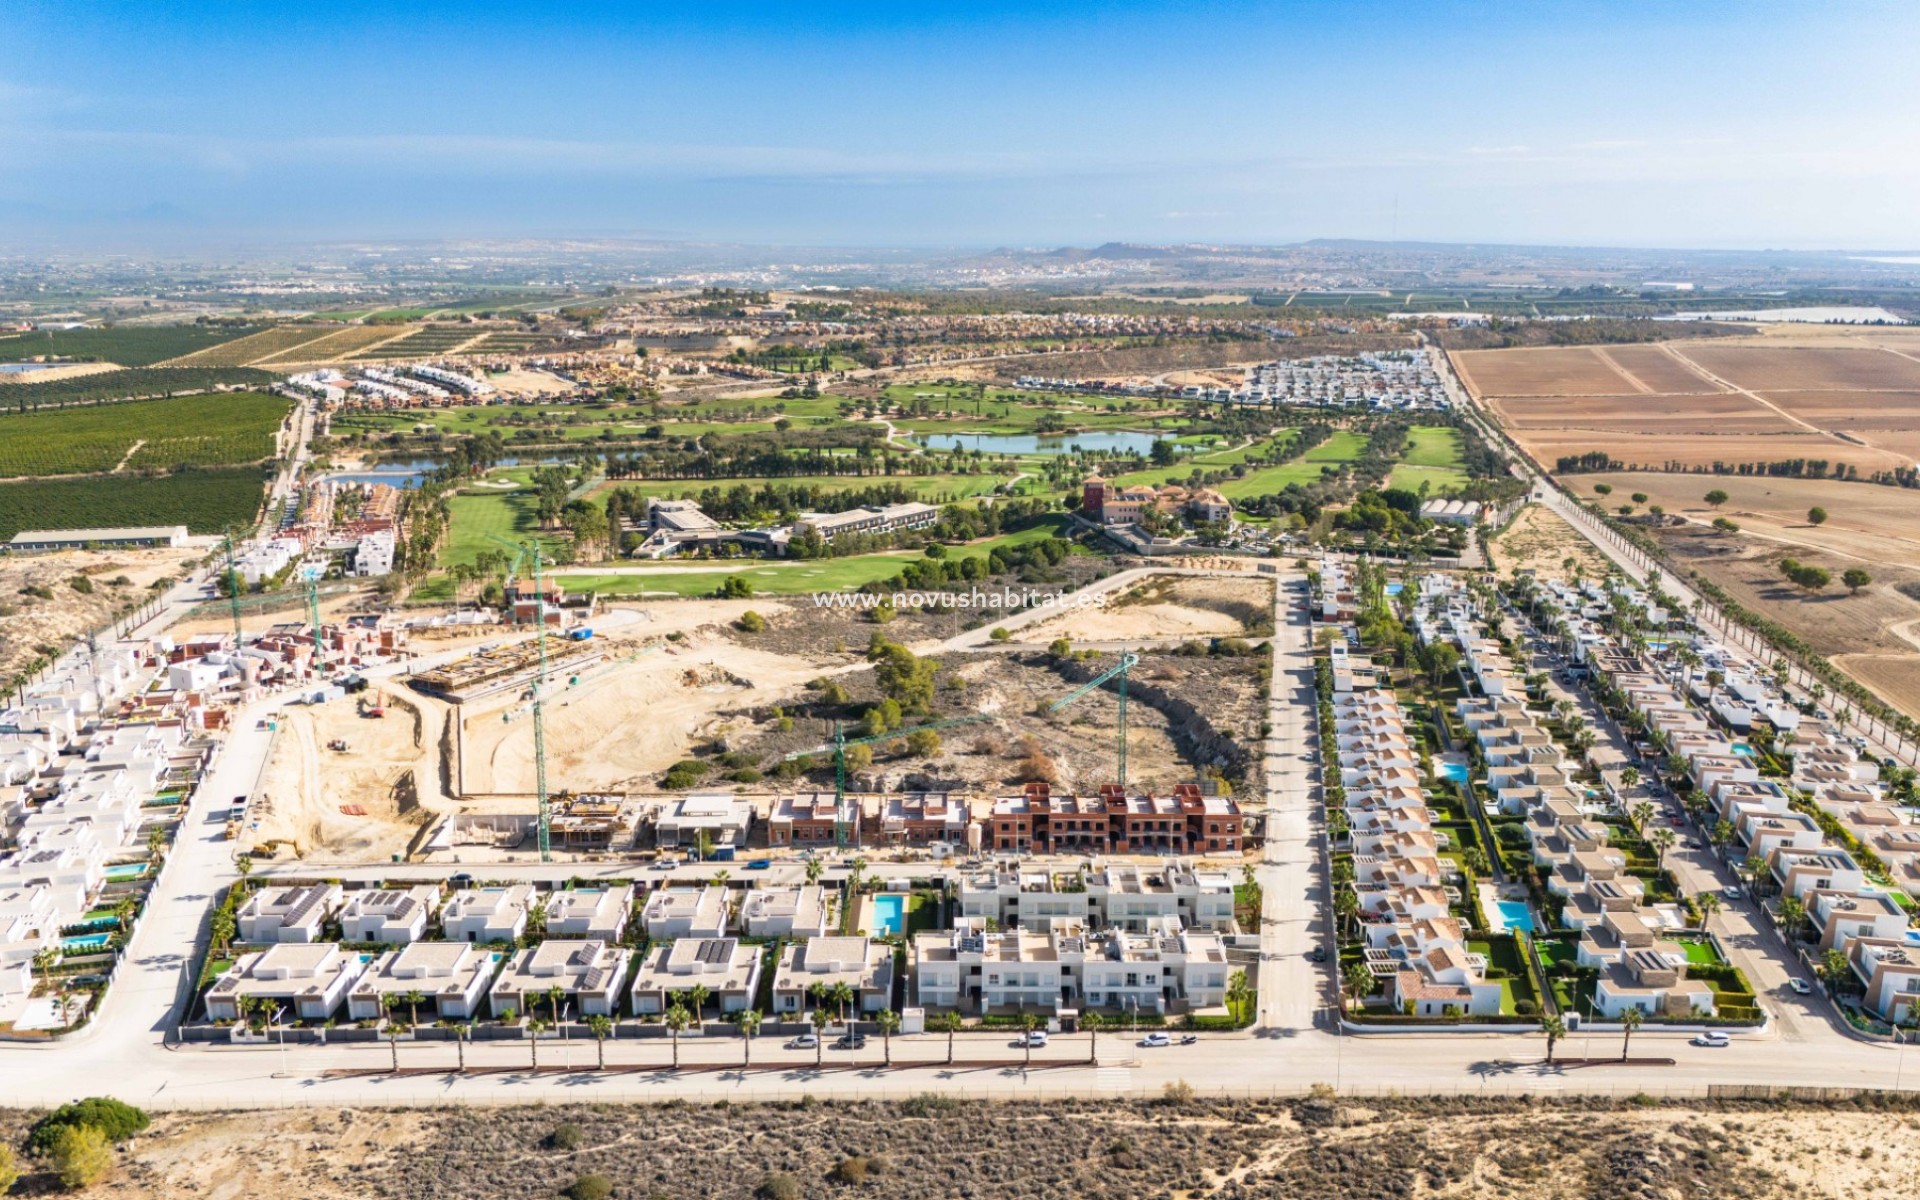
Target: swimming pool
x=91, y=941
x=1516, y=916
x=126, y=871
x=1394, y=589
x=1456, y=771
x=1743, y=750
x=889, y=913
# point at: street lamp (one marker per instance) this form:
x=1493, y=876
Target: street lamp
x=283, y=1037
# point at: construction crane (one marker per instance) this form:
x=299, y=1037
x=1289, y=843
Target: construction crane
x=838, y=746
x=1119, y=671
x=313, y=616
x=233, y=591
x=532, y=550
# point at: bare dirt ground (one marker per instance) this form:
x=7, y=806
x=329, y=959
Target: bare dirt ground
x=1187, y=713
x=1854, y=398
x=1167, y=606
x=387, y=776
x=1867, y=525
x=1541, y=540
x=1063, y=1150
x=1870, y=636
x=643, y=711
x=31, y=626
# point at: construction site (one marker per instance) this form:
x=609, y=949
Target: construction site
x=682, y=697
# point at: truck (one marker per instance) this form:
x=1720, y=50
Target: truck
x=581, y=634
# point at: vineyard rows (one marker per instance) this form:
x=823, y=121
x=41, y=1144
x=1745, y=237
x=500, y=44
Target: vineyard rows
x=210, y=430
x=425, y=342
x=203, y=501
x=247, y=350
x=138, y=383
x=335, y=346
x=130, y=346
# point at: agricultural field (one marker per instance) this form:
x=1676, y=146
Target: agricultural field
x=128, y=345
x=1703, y=402
x=1873, y=635
x=106, y=387
x=423, y=341
x=335, y=347
x=203, y=501
x=210, y=430
x=255, y=347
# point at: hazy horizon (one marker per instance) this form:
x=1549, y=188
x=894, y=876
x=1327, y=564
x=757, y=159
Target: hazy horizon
x=853, y=125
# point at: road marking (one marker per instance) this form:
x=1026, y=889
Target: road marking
x=1113, y=1079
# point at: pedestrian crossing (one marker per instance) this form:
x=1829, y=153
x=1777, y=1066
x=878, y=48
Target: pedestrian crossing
x=1113, y=1079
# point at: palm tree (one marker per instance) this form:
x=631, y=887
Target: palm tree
x=1239, y=993
x=1792, y=912
x=676, y=1022
x=1028, y=1023
x=1833, y=968
x=1358, y=980
x=1756, y=867
x=815, y=869
x=44, y=961
x=1629, y=1021
x=1708, y=903
x=1641, y=814
x=602, y=1028
x=819, y=993
x=949, y=1023
x=748, y=1019
x=413, y=999
x=535, y=1027
x=820, y=1021
x=721, y=876
x=855, y=870
x=842, y=994
x=555, y=995
x=889, y=1022
x=1555, y=1029
x=461, y=1032
x=1662, y=841
x=1346, y=906
x=1092, y=1023
x=697, y=1002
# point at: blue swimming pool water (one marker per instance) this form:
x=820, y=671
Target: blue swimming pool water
x=1394, y=589
x=1516, y=915
x=1743, y=750
x=1456, y=771
x=126, y=871
x=890, y=913
x=91, y=941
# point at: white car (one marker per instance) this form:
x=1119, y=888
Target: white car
x=1156, y=1039
x=1036, y=1039
x=1800, y=986
x=1712, y=1039
x=805, y=1041
x=1734, y=893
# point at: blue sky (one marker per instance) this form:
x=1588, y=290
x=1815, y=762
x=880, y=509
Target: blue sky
x=930, y=124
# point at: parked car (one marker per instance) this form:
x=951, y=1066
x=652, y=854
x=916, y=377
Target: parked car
x=1734, y=893
x=1712, y=1039
x=850, y=1041
x=1317, y=954
x=1677, y=822
x=460, y=880
x=1800, y=986
x=805, y=1041
x=1036, y=1039
x=1156, y=1039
